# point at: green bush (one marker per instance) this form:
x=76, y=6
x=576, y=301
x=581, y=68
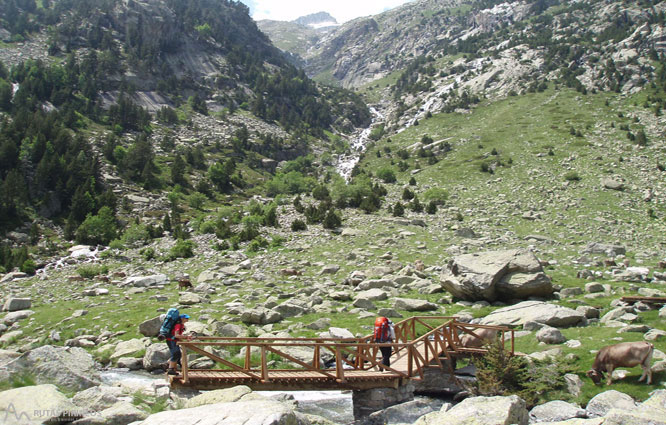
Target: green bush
x=257, y=244
x=135, y=235
x=298, y=225
x=386, y=174
x=291, y=183
x=182, y=249
x=431, y=208
x=332, y=220
x=28, y=267
x=88, y=271
x=98, y=229
x=436, y=195
x=398, y=210
x=148, y=253
x=572, y=176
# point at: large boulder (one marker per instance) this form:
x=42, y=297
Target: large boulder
x=70, y=368
x=512, y=274
x=145, y=281
x=481, y=411
x=404, y=413
x=151, y=327
x=555, y=411
x=120, y=413
x=16, y=304
x=257, y=412
x=411, y=304
x=227, y=395
x=98, y=398
x=292, y=308
x=651, y=412
x=260, y=316
x=603, y=402
x=534, y=311
x=36, y=404
x=156, y=356
x=130, y=348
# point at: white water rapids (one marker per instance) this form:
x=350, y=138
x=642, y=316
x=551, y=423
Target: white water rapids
x=346, y=162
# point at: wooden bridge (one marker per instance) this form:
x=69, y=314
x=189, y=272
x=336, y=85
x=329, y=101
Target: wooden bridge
x=281, y=364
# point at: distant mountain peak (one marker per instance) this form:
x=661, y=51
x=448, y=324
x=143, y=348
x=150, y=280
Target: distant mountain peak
x=317, y=20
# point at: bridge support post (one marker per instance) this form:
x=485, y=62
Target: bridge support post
x=369, y=401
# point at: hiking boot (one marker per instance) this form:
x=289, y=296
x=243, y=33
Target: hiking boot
x=172, y=372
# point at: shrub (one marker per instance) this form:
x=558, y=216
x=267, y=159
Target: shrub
x=398, y=210
x=182, y=249
x=332, y=220
x=196, y=200
x=98, y=229
x=148, y=253
x=416, y=205
x=89, y=271
x=28, y=267
x=257, y=243
x=135, y=235
x=298, y=225
x=221, y=246
x=572, y=176
x=386, y=174
x=436, y=195
x=321, y=193
x=499, y=373
x=412, y=181
x=292, y=183
x=431, y=208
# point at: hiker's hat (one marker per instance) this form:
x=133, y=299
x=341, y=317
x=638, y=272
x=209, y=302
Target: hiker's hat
x=184, y=316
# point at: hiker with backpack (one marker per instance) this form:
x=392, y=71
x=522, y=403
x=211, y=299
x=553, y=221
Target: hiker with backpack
x=384, y=333
x=172, y=330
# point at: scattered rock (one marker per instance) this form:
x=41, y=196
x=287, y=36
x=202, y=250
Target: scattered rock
x=16, y=304
x=70, y=368
x=535, y=311
x=602, y=403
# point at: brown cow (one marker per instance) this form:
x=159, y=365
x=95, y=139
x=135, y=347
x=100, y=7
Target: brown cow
x=483, y=336
x=184, y=283
x=624, y=354
x=290, y=272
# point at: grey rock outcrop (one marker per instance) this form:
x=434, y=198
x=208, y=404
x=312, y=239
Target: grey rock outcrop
x=120, y=413
x=156, y=356
x=481, y=411
x=151, y=327
x=556, y=411
x=534, y=311
x=16, y=304
x=411, y=304
x=36, y=404
x=651, y=412
x=263, y=412
x=227, y=395
x=512, y=274
x=602, y=403
x=70, y=368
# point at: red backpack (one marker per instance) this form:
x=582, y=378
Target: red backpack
x=382, y=330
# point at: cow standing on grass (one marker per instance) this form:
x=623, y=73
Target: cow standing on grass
x=624, y=354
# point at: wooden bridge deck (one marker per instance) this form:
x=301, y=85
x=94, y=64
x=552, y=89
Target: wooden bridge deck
x=412, y=353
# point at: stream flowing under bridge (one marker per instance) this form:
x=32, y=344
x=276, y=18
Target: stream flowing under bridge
x=306, y=364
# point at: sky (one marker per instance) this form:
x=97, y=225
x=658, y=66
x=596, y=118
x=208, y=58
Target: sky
x=341, y=10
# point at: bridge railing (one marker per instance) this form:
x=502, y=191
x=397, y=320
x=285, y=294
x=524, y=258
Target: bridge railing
x=420, y=343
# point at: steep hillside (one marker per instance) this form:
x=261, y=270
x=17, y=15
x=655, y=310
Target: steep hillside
x=102, y=100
